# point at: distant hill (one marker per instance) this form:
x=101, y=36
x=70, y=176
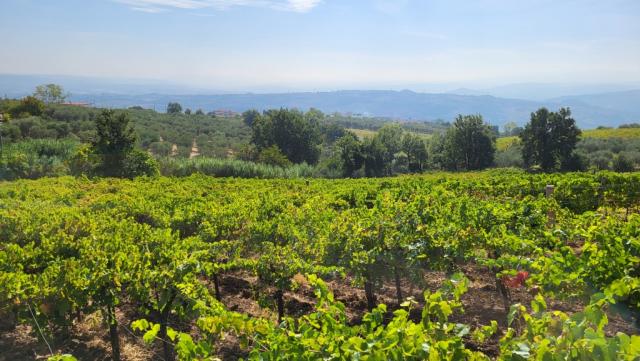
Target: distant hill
x=589, y=112
x=627, y=102
x=394, y=104
x=546, y=91
x=604, y=108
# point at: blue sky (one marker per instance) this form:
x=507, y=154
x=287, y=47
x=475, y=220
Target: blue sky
x=325, y=44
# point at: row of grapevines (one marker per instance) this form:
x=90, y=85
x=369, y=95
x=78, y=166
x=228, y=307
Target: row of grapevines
x=71, y=247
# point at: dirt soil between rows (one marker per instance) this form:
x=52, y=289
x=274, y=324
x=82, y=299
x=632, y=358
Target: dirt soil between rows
x=88, y=338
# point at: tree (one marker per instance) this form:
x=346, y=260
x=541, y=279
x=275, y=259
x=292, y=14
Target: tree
x=549, y=139
x=250, y=116
x=331, y=132
x=631, y=125
x=199, y=112
x=469, y=144
x=297, y=136
x=28, y=106
x=314, y=115
x=400, y=163
x=512, y=129
x=174, y=108
x=436, y=150
x=389, y=137
x=187, y=111
x=351, y=154
x=115, y=139
x=389, y=151
x=416, y=150
x=374, y=157
x=50, y=93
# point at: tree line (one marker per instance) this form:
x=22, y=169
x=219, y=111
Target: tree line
x=283, y=136
x=286, y=137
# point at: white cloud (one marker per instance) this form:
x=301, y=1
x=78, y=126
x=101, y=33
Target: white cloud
x=302, y=5
x=153, y=6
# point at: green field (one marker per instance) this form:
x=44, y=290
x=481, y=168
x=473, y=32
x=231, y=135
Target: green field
x=503, y=143
x=623, y=133
x=620, y=133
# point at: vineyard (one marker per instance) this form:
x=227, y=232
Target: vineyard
x=469, y=266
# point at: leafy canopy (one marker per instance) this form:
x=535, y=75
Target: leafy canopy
x=50, y=93
x=549, y=139
x=469, y=144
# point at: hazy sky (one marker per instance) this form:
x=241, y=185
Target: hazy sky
x=313, y=44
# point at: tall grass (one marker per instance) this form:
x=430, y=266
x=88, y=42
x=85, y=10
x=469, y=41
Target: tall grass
x=230, y=168
x=49, y=158
x=36, y=158
x=42, y=148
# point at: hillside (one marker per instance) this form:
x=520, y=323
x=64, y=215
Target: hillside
x=162, y=133
x=602, y=105
x=394, y=104
x=625, y=102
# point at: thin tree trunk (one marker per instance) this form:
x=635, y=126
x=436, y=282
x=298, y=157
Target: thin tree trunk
x=371, y=297
x=398, y=286
x=166, y=347
x=216, y=285
x=280, y=304
x=164, y=317
x=502, y=290
x=113, y=334
x=504, y=294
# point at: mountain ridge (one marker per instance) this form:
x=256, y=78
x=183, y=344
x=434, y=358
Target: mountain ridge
x=406, y=105
x=590, y=110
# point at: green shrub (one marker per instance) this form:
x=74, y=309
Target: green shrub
x=10, y=132
x=575, y=162
x=329, y=167
x=273, y=156
x=36, y=158
x=140, y=163
x=28, y=106
x=230, y=168
x=14, y=166
x=510, y=157
x=622, y=164
x=83, y=162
